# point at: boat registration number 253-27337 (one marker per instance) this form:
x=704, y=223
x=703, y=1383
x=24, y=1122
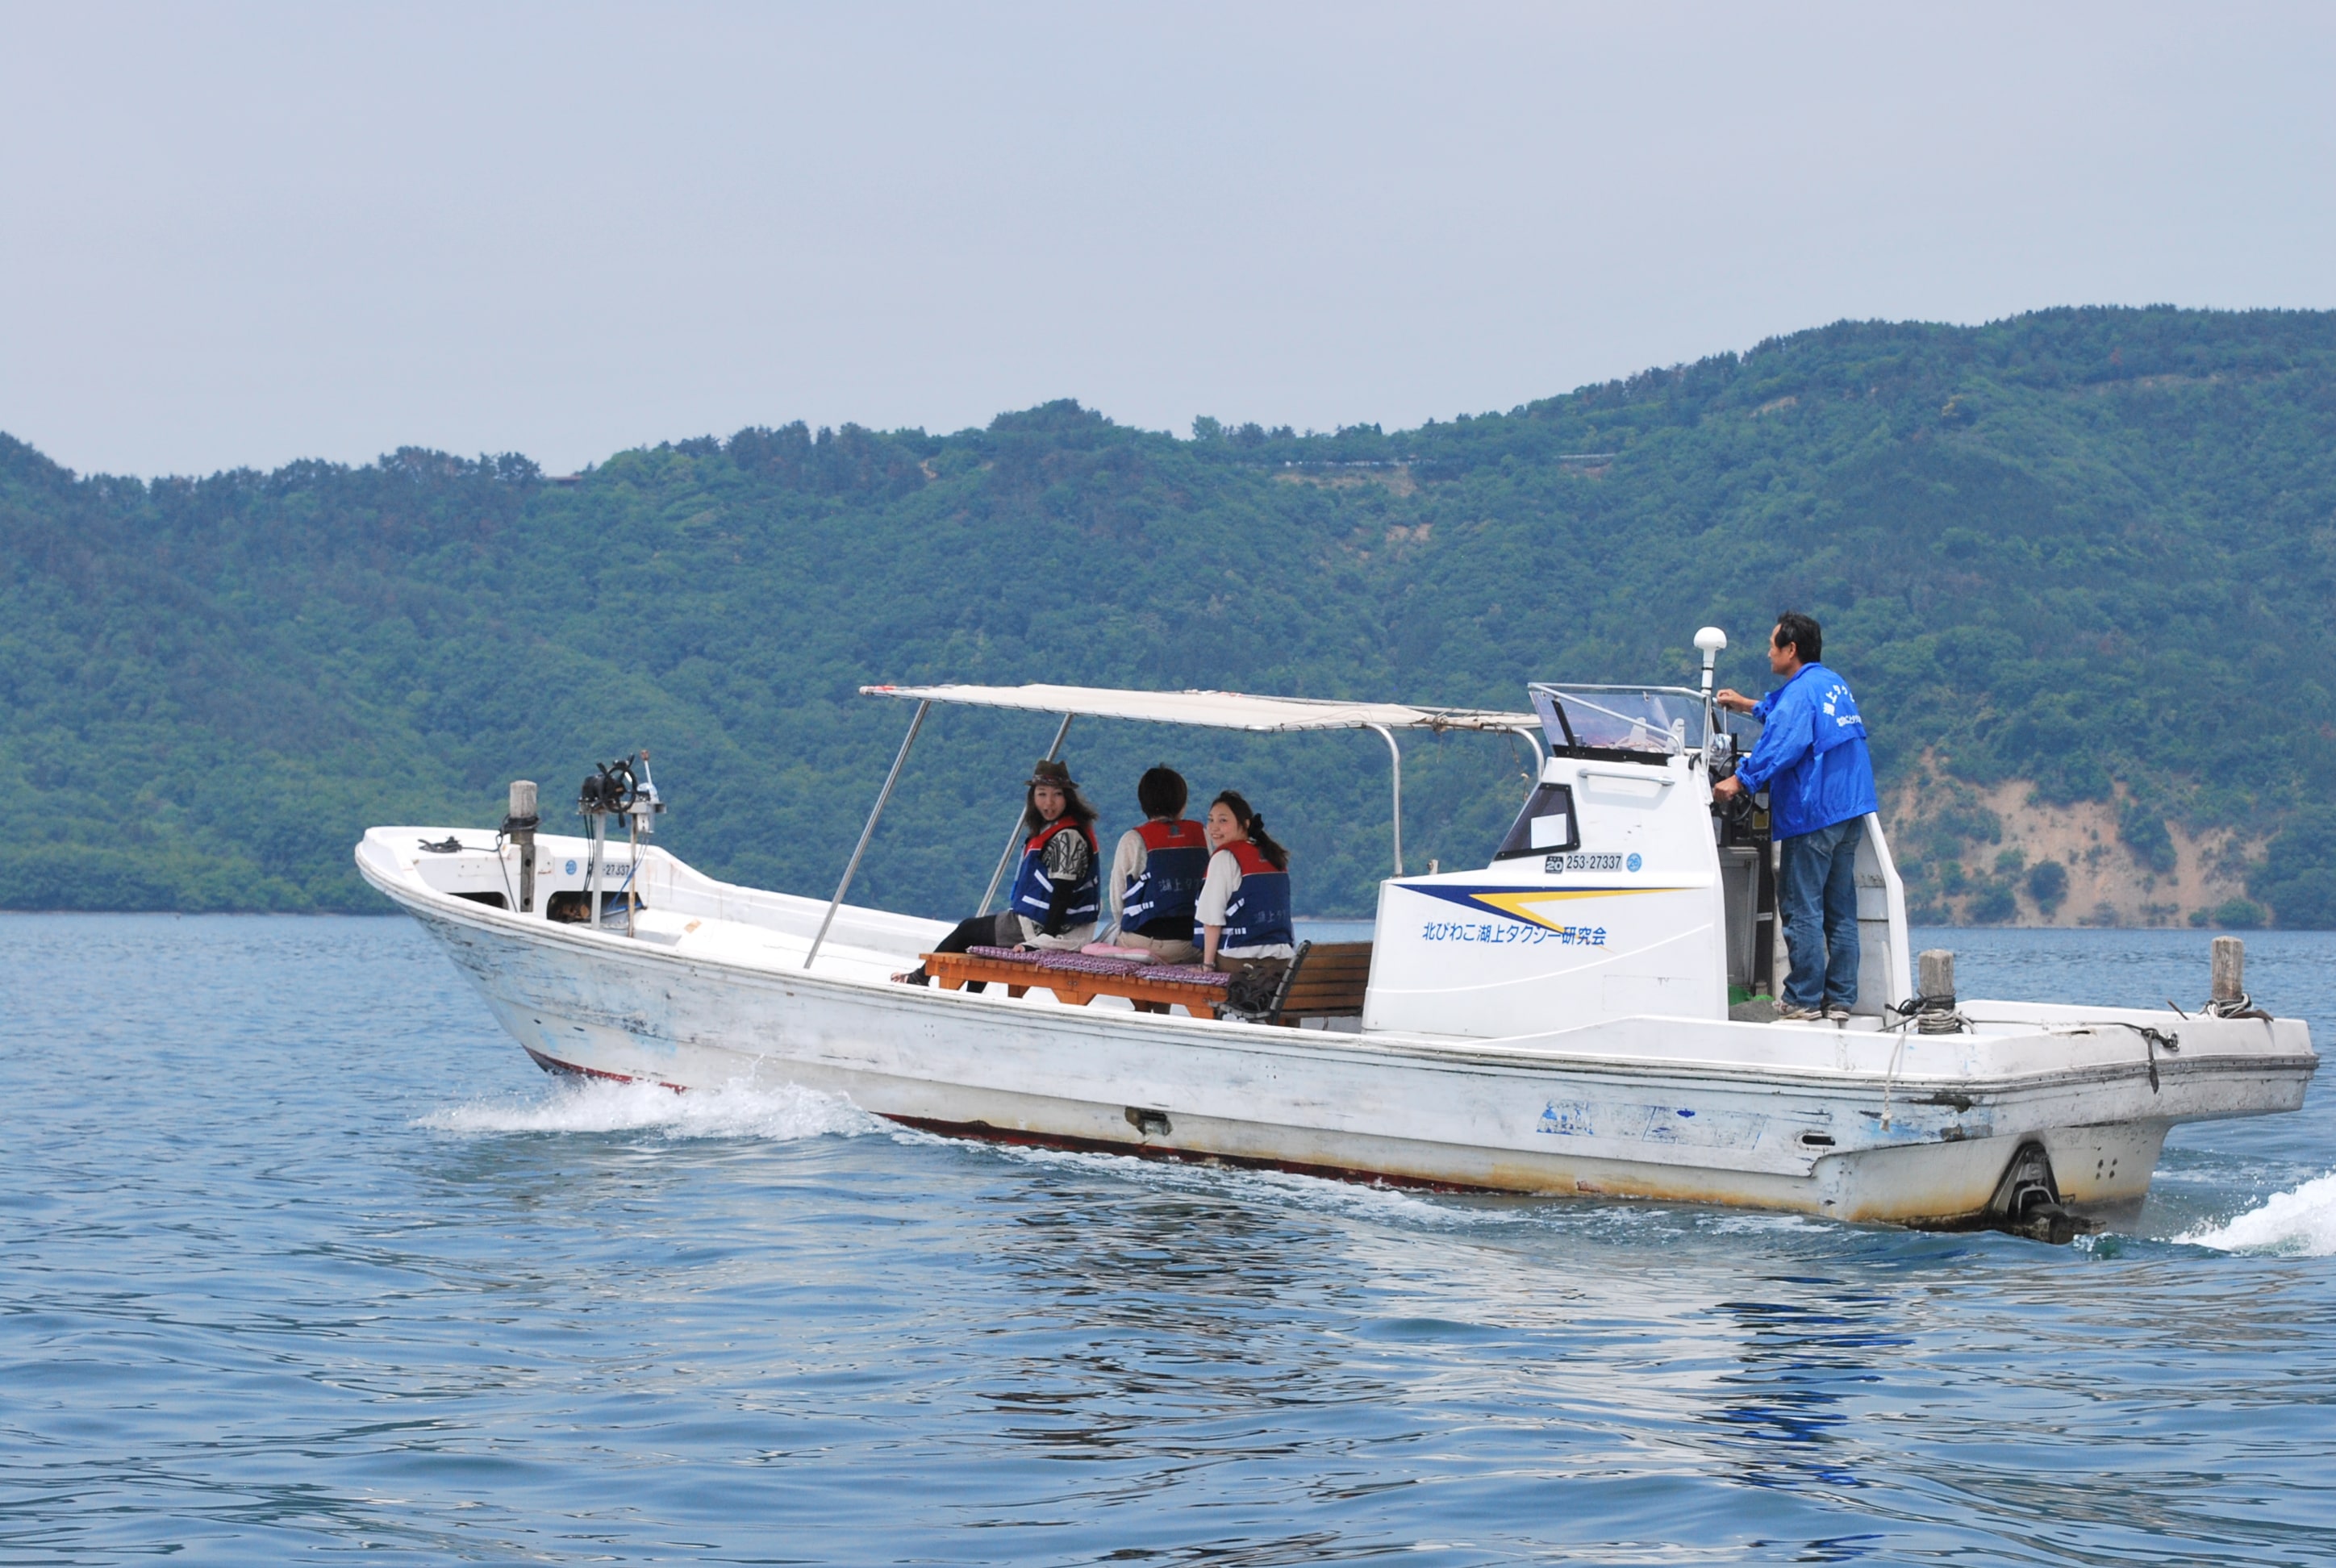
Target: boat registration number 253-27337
x=1591, y=862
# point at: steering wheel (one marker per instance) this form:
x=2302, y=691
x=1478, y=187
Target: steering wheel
x=611, y=787
x=618, y=789
x=1739, y=810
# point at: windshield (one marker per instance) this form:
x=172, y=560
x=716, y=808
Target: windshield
x=1660, y=720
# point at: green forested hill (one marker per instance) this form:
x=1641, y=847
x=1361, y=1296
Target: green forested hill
x=2089, y=549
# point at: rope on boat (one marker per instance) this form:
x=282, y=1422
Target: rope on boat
x=1923, y=1016
x=1890, y=1076
x=1930, y=1015
x=2150, y=1038
x=2153, y=1041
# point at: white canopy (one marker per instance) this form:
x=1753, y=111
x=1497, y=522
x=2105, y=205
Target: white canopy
x=1216, y=709
x=1211, y=709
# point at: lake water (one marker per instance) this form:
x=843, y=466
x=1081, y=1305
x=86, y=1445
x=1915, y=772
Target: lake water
x=301, y=1259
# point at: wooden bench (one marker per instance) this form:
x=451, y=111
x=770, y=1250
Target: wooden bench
x=1198, y=995
x=1325, y=980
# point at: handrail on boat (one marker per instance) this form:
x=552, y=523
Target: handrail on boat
x=1394, y=766
x=869, y=831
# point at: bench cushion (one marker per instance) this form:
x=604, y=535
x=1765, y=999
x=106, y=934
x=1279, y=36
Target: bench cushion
x=1090, y=964
x=1188, y=974
x=1005, y=955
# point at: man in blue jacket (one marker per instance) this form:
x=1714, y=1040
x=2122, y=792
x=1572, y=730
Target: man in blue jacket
x=1812, y=758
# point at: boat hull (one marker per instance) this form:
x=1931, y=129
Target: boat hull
x=1476, y=1115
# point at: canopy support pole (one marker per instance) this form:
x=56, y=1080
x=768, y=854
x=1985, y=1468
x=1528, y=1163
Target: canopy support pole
x=1014, y=838
x=869, y=831
x=1395, y=754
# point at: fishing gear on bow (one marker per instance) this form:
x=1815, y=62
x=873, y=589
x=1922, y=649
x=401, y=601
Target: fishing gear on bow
x=610, y=788
x=624, y=788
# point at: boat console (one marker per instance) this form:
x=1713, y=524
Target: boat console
x=1622, y=890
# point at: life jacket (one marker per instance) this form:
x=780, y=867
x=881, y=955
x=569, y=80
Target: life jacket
x=1175, y=864
x=1258, y=914
x=1032, y=896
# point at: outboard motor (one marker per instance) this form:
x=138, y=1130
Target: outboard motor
x=2027, y=1202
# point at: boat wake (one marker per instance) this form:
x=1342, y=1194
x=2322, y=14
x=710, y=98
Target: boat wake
x=782, y=1114
x=2301, y=1224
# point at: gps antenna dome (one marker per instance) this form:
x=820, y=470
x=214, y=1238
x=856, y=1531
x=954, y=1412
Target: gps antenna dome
x=1710, y=639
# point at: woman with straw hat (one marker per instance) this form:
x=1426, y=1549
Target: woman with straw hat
x=1055, y=894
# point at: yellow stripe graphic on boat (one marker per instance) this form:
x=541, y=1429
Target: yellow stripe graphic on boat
x=1516, y=906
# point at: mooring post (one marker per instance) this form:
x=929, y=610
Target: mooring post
x=2229, y=968
x=519, y=826
x=1935, y=968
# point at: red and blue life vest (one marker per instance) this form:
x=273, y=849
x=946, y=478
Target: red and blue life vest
x=1175, y=864
x=1258, y=914
x=1032, y=895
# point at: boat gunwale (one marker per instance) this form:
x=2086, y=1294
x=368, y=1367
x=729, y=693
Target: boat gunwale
x=1379, y=1046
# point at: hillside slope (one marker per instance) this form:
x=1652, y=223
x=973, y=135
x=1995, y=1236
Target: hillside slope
x=2078, y=564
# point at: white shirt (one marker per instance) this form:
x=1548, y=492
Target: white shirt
x=1127, y=864
x=1223, y=880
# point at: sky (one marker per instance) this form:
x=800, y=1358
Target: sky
x=239, y=235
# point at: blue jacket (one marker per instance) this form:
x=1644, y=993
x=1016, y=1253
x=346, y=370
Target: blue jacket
x=1812, y=755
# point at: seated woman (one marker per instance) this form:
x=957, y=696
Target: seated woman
x=1243, y=911
x=1157, y=871
x=1053, y=900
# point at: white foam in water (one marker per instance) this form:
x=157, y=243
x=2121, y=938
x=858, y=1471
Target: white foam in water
x=737, y=1111
x=2297, y=1224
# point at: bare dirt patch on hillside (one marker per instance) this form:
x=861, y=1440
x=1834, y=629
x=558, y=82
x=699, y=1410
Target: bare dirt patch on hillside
x=2107, y=883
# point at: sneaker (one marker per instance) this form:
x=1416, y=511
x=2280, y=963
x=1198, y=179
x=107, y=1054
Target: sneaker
x=1836, y=1013
x=1787, y=1013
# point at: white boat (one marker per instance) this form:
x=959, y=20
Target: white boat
x=1569, y=1019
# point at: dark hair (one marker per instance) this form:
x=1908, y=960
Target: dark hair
x=1161, y=791
x=1805, y=636
x=1075, y=806
x=1254, y=826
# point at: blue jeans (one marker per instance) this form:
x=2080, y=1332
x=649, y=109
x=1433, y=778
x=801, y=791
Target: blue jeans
x=1817, y=891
